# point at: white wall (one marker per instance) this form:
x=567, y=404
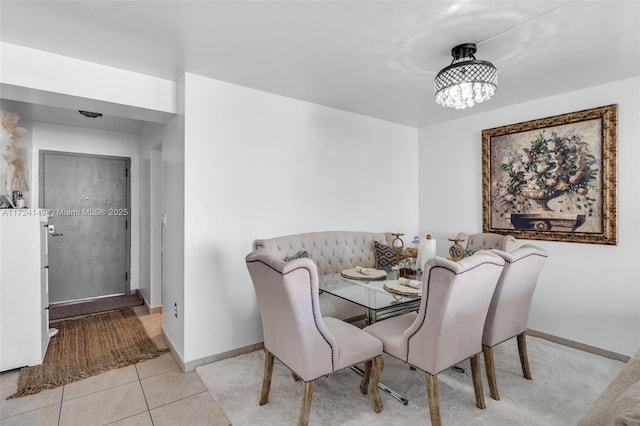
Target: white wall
x=157, y=226
x=53, y=79
x=587, y=293
x=150, y=285
x=74, y=139
x=174, y=288
x=171, y=289
x=260, y=165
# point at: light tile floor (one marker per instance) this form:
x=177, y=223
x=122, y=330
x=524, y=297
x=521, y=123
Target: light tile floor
x=154, y=392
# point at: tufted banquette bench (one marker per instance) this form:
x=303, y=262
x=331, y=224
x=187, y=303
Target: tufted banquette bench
x=332, y=252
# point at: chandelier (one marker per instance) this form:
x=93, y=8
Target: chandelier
x=467, y=81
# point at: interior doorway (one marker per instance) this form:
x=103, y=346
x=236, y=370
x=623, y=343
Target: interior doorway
x=90, y=228
x=156, y=219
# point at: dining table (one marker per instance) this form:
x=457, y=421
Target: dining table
x=377, y=297
x=381, y=298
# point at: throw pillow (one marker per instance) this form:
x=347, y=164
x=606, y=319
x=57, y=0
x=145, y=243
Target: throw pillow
x=469, y=252
x=385, y=255
x=299, y=255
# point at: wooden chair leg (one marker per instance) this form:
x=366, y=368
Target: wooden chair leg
x=305, y=409
x=477, y=381
x=376, y=371
x=266, y=379
x=432, y=395
x=491, y=372
x=364, y=384
x=524, y=359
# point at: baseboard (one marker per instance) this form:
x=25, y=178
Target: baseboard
x=191, y=365
x=234, y=352
x=577, y=345
x=174, y=352
x=150, y=310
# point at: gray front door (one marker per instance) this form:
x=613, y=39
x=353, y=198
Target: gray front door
x=88, y=196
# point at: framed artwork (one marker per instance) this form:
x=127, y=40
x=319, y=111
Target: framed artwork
x=553, y=178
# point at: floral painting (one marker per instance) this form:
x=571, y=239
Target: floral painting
x=553, y=178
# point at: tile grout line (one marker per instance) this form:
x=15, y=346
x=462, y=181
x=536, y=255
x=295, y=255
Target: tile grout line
x=100, y=390
x=144, y=395
x=61, y=401
x=183, y=398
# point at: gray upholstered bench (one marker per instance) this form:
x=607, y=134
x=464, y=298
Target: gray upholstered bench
x=333, y=252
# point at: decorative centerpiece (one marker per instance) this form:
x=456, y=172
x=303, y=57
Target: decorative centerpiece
x=11, y=165
x=397, y=245
x=456, y=251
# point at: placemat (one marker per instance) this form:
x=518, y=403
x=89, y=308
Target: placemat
x=369, y=274
x=397, y=288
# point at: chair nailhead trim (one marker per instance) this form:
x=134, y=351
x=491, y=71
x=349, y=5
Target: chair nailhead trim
x=315, y=320
x=524, y=257
x=426, y=308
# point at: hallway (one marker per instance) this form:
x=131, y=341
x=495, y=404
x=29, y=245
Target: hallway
x=154, y=392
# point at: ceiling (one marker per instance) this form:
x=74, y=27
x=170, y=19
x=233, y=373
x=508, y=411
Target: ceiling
x=376, y=58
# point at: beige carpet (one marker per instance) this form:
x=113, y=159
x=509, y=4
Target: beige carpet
x=88, y=346
x=565, y=383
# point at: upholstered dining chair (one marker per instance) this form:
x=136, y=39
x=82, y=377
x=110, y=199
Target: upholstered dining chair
x=486, y=241
x=509, y=310
x=298, y=336
x=447, y=329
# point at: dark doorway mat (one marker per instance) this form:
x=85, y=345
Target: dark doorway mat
x=102, y=304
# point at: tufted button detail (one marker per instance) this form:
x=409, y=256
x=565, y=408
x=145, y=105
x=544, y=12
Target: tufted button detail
x=333, y=251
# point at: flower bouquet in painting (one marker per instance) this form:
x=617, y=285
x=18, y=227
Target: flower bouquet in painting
x=548, y=183
x=551, y=167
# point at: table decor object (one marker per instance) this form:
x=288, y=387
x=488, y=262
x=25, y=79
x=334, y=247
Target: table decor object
x=410, y=252
x=456, y=251
x=426, y=250
x=396, y=287
x=11, y=163
x=397, y=244
x=364, y=274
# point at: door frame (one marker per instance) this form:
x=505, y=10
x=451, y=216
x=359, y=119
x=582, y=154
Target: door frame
x=41, y=170
x=156, y=225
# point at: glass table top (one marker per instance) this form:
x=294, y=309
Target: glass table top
x=369, y=294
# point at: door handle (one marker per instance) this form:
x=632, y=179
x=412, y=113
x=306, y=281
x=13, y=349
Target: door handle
x=51, y=229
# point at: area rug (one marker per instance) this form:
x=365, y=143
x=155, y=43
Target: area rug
x=565, y=383
x=88, y=346
x=94, y=306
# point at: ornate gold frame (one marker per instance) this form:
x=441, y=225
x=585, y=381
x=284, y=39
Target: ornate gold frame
x=566, y=230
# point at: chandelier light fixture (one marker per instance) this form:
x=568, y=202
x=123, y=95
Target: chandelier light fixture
x=467, y=81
